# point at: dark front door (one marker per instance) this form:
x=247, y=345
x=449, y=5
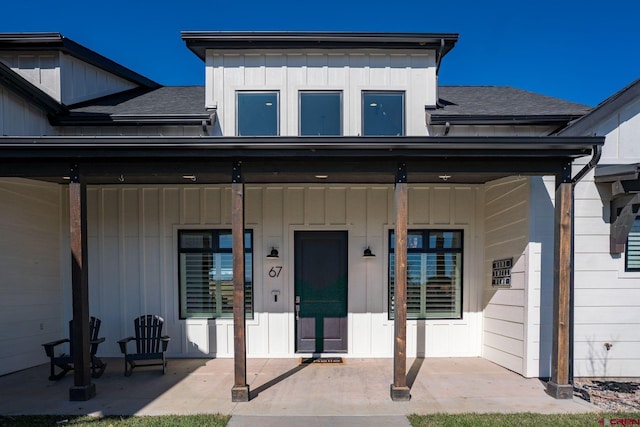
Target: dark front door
x=321, y=291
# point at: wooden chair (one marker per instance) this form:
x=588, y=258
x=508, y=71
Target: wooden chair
x=150, y=344
x=65, y=361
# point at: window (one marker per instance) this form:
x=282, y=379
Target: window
x=257, y=114
x=434, y=274
x=206, y=273
x=383, y=113
x=321, y=113
x=632, y=254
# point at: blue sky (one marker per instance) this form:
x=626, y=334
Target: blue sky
x=578, y=50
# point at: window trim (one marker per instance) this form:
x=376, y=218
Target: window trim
x=266, y=91
x=404, y=109
x=308, y=91
x=215, y=232
x=425, y=232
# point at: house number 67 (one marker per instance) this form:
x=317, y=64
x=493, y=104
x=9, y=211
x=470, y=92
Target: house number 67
x=275, y=271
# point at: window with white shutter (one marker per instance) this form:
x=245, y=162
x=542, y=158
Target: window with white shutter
x=434, y=274
x=206, y=273
x=632, y=254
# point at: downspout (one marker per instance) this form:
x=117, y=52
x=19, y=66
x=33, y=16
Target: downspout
x=439, y=56
x=597, y=153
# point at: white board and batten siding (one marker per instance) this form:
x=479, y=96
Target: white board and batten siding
x=31, y=307
x=350, y=73
x=607, y=299
x=133, y=263
x=18, y=117
x=65, y=78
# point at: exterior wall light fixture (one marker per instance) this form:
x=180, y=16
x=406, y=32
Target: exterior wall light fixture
x=273, y=253
x=368, y=254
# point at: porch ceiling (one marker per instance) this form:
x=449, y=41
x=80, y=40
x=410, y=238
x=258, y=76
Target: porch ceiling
x=176, y=160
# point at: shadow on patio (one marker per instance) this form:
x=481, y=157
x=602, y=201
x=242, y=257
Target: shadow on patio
x=283, y=387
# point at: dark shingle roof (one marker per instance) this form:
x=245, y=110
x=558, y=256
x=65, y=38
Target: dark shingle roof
x=501, y=104
x=459, y=104
x=169, y=104
x=164, y=100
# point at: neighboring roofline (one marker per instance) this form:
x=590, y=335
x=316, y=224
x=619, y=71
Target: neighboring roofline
x=500, y=119
x=58, y=42
x=122, y=147
x=199, y=41
x=604, y=109
x=21, y=87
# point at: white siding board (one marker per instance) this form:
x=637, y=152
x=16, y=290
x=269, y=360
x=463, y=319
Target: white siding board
x=30, y=230
x=80, y=81
x=320, y=70
x=138, y=267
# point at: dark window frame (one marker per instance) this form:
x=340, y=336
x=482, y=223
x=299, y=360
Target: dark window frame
x=216, y=249
x=321, y=92
x=425, y=249
x=363, y=107
x=239, y=93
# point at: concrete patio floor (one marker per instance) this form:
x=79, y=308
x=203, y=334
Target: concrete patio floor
x=357, y=388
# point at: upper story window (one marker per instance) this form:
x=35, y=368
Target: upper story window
x=434, y=274
x=206, y=273
x=382, y=113
x=632, y=253
x=257, y=114
x=321, y=113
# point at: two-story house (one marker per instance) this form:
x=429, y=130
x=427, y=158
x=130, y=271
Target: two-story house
x=325, y=180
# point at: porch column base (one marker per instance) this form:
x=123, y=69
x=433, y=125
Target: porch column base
x=240, y=393
x=560, y=391
x=400, y=394
x=80, y=393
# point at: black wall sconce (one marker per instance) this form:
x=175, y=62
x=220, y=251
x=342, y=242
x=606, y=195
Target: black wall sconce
x=367, y=253
x=273, y=253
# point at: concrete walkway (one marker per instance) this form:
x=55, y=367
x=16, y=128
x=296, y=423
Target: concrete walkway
x=353, y=393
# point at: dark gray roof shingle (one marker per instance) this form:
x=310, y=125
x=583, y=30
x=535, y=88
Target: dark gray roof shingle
x=502, y=101
x=167, y=100
x=470, y=103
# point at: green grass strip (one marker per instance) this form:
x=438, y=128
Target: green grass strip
x=523, y=419
x=203, y=420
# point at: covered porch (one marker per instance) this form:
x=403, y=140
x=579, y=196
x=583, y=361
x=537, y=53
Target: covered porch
x=78, y=162
x=283, y=387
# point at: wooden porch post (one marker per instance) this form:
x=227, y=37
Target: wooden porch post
x=399, y=389
x=240, y=390
x=83, y=388
x=559, y=386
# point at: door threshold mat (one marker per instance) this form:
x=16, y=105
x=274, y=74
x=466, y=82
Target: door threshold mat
x=321, y=360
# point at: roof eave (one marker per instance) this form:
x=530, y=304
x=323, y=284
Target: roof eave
x=483, y=120
x=199, y=41
x=58, y=42
x=256, y=147
x=21, y=87
x=607, y=107
x=132, y=119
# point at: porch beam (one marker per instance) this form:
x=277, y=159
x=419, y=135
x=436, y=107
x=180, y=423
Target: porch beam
x=83, y=389
x=240, y=390
x=559, y=386
x=399, y=389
